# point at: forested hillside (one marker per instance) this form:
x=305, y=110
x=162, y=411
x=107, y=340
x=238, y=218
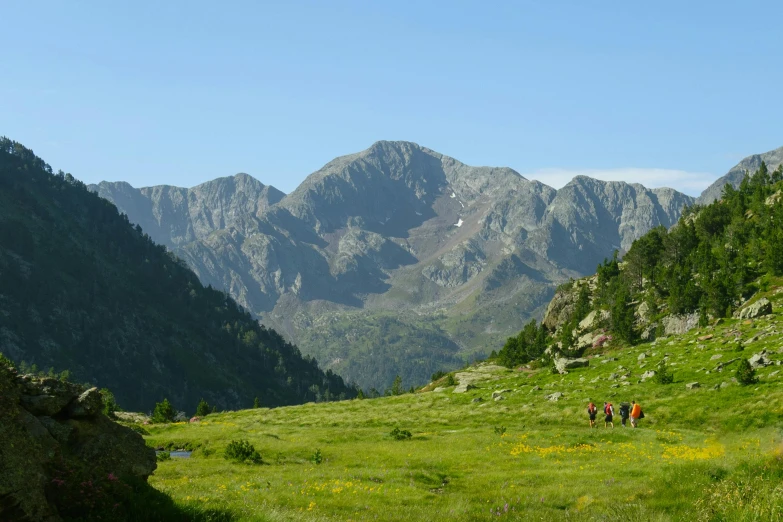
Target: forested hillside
x=81, y=289
x=706, y=267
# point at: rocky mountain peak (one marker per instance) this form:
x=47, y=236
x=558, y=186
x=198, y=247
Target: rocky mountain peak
x=773, y=159
x=399, y=228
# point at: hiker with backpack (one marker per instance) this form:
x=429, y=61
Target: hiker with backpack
x=625, y=412
x=592, y=411
x=609, y=412
x=636, y=414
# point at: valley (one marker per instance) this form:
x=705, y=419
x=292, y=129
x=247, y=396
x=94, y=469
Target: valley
x=516, y=445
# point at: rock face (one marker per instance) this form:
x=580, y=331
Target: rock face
x=52, y=434
x=401, y=229
x=734, y=176
x=563, y=364
x=679, y=324
x=756, y=309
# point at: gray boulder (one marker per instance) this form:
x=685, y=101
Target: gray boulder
x=554, y=397
x=761, y=307
x=649, y=374
x=759, y=360
x=692, y=386
x=562, y=364
x=88, y=404
x=680, y=324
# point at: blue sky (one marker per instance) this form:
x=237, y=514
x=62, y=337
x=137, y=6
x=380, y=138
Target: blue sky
x=665, y=93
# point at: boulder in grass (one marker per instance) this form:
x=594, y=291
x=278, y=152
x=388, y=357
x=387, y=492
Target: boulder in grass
x=759, y=360
x=562, y=364
x=692, y=386
x=758, y=308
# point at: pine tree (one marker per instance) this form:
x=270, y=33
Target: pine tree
x=397, y=388
x=256, y=403
x=203, y=409
x=163, y=412
x=745, y=374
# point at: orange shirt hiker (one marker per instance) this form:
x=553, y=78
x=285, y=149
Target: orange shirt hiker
x=635, y=411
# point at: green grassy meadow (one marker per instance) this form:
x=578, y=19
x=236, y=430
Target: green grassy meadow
x=702, y=454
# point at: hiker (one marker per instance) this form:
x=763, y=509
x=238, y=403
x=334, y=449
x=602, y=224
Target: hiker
x=636, y=414
x=609, y=412
x=592, y=411
x=625, y=412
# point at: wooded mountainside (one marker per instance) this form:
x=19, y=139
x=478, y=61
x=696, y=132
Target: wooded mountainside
x=84, y=290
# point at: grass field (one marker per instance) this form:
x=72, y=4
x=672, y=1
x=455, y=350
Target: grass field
x=702, y=454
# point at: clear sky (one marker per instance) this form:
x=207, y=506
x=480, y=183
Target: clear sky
x=665, y=93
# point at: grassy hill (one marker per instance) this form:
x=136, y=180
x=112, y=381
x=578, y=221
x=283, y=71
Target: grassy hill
x=709, y=453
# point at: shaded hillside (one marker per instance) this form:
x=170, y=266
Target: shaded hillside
x=84, y=290
x=462, y=256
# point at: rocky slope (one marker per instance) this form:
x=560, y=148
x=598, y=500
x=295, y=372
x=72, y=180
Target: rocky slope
x=455, y=257
x=60, y=456
x=734, y=177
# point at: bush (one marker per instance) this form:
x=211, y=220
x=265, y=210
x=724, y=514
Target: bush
x=398, y=434
x=450, y=380
x=110, y=405
x=163, y=455
x=500, y=430
x=745, y=374
x=242, y=451
x=437, y=375
x=163, y=412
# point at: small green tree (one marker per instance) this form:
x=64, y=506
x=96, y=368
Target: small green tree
x=110, y=406
x=256, y=403
x=745, y=374
x=163, y=412
x=397, y=388
x=203, y=409
x=663, y=375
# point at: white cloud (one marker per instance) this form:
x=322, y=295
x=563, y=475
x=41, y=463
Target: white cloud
x=692, y=183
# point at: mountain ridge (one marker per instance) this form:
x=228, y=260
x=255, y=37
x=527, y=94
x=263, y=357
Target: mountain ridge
x=773, y=159
x=401, y=228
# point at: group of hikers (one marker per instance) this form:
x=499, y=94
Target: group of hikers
x=631, y=411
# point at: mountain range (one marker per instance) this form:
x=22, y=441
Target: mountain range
x=398, y=259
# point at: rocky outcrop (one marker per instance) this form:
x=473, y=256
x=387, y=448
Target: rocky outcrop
x=560, y=308
x=679, y=324
x=54, y=439
x=563, y=364
x=756, y=309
